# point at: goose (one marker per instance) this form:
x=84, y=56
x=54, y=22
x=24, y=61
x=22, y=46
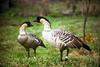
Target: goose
x=27, y=39
x=59, y=38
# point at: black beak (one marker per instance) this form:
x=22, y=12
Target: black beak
x=30, y=25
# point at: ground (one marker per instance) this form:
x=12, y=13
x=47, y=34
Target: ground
x=12, y=54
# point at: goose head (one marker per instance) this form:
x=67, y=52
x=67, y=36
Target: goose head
x=26, y=24
x=23, y=26
x=41, y=19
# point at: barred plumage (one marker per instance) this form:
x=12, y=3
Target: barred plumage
x=60, y=38
x=28, y=40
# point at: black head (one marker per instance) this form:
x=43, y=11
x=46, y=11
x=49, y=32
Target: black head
x=28, y=24
x=38, y=18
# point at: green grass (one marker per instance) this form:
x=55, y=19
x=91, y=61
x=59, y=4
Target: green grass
x=12, y=54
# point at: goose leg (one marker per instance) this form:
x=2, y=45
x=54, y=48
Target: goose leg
x=61, y=55
x=35, y=52
x=28, y=52
x=66, y=57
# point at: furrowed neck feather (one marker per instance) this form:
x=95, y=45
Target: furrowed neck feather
x=47, y=25
x=23, y=29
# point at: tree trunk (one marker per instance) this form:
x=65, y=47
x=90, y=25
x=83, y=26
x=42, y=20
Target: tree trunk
x=85, y=18
x=44, y=7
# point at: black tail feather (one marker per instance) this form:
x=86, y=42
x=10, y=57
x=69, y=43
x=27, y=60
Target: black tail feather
x=42, y=44
x=86, y=47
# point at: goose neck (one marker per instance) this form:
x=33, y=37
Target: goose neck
x=47, y=25
x=23, y=29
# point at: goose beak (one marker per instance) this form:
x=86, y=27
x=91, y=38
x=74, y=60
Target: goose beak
x=30, y=25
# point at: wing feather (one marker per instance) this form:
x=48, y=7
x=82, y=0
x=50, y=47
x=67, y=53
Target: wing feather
x=68, y=39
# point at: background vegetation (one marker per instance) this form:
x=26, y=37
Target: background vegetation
x=65, y=14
